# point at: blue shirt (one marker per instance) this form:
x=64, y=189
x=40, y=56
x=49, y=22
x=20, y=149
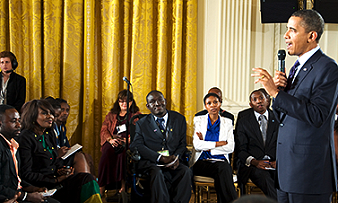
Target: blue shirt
x=212, y=135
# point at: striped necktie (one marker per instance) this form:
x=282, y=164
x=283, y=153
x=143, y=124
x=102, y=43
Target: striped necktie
x=291, y=75
x=263, y=124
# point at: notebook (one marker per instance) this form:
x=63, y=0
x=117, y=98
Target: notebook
x=72, y=150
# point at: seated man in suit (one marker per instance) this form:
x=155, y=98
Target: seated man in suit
x=222, y=112
x=256, y=139
x=62, y=110
x=12, y=187
x=160, y=138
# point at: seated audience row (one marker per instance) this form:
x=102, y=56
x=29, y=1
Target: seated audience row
x=161, y=141
x=41, y=162
x=13, y=186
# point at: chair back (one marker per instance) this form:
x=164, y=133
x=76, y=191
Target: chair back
x=132, y=125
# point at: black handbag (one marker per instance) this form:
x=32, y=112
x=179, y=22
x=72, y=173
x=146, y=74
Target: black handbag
x=120, y=148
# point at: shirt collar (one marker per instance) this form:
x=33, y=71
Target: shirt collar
x=305, y=57
x=10, y=143
x=165, y=117
x=266, y=114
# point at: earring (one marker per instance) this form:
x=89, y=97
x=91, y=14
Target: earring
x=34, y=122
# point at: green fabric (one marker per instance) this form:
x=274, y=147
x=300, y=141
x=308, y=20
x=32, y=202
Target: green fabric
x=46, y=147
x=90, y=192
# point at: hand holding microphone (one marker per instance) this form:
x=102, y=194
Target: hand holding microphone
x=272, y=84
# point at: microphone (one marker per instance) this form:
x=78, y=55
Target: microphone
x=281, y=60
x=9, y=71
x=126, y=80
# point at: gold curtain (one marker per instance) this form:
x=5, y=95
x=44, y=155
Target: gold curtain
x=79, y=50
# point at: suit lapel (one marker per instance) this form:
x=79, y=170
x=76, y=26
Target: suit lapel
x=11, y=162
x=300, y=77
x=271, y=124
x=169, y=127
x=304, y=71
x=4, y=145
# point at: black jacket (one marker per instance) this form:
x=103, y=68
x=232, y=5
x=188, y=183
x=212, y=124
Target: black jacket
x=8, y=176
x=16, y=90
x=38, y=165
x=148, y=138
x=249, y=141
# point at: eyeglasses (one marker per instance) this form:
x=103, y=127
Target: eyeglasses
x=124, y=101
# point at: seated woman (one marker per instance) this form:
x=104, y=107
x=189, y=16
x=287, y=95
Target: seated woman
x=213, y=140
x=41, y=163
x=113, y=136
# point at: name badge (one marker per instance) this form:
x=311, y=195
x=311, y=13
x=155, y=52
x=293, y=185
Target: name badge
x=164, y=152
x=121, y=128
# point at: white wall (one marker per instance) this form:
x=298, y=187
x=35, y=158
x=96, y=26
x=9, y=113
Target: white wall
x=232, y=40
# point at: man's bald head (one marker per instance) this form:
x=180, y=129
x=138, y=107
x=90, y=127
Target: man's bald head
x=217, y=91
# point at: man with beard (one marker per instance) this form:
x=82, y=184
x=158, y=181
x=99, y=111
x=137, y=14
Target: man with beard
x=12, y=188
x=255, y=138
x=160, y=138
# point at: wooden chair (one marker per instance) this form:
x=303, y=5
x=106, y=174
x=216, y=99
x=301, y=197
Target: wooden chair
x=237, y=187
x=249, y=186
x=334, y=197
x=203, y=183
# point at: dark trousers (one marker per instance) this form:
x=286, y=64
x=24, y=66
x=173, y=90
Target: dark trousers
x=286, y=197
x=168, y=185
x=221, y=172
x=264, y=179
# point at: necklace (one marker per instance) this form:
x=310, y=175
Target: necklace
x=120, y=118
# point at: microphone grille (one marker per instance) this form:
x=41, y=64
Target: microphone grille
x=281, y=54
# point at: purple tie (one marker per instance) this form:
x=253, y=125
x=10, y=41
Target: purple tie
x=291, y=75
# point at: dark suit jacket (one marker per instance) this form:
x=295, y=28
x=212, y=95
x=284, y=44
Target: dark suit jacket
x=62, y=139
x=249, y=141
x=8, y=176
x=305, y=149
x=16, y=90
x=148, y=138
x=222, y=112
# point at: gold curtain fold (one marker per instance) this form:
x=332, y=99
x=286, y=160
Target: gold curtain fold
x=79, y=50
